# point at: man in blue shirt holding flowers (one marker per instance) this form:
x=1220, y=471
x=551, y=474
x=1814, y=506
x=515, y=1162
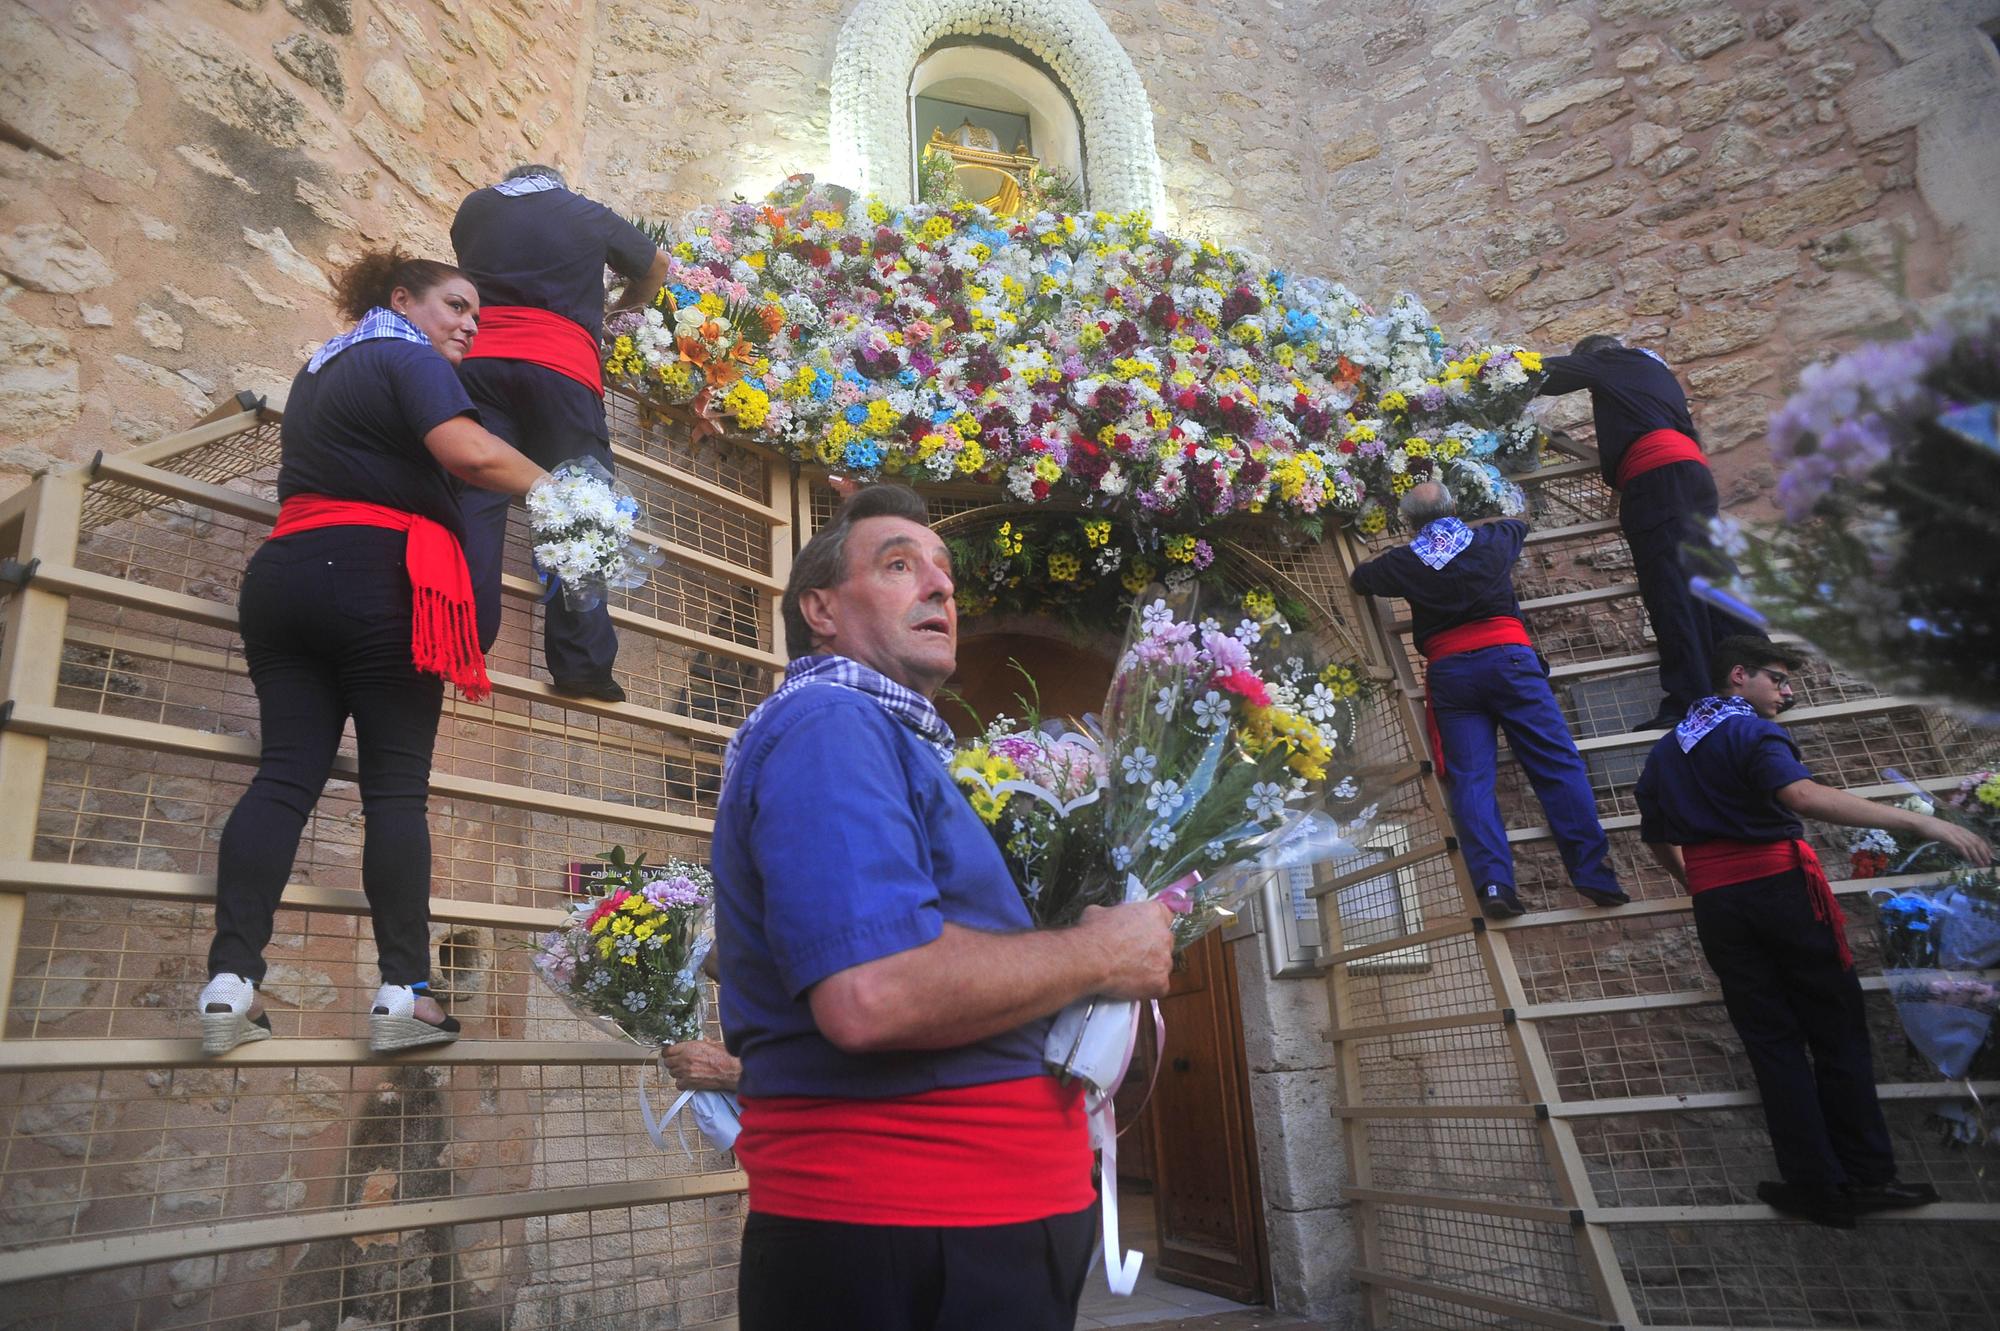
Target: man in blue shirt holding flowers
x=911, y=1164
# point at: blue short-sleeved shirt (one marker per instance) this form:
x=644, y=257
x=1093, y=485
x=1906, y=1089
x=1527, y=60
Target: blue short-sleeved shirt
x=840, y=840
x=1724, y=789
x=1477, y=584
x=355, y=430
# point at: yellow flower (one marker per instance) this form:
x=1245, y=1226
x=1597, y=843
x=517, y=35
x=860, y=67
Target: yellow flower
x=1531, y=361
x=1097, y=531
x=1047, y=469
x=1374, y=520
x=1260, y=604
x=971, y=458
x=711, y=304
x=882, y=417
x=1340, y=680
x=1394, y=401
x=1180, y=548
x=1064, y=566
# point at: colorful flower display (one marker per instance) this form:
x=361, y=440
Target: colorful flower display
x=629, y=960
x=1889, y=477
x=1092, y=359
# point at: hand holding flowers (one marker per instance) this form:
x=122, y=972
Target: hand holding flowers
x=584, y=526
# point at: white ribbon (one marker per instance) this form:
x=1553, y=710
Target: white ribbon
x=1121, y=1275
x=714, y=1113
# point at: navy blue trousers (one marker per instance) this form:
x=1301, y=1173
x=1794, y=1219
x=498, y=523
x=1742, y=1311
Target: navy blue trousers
x=827, y=1276
x=553, y=419
x=1664, y=513
x=1800, y=1015
x=1478, y=693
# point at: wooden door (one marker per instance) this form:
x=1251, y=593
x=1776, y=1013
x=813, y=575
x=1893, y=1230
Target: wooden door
x=1206, y=1196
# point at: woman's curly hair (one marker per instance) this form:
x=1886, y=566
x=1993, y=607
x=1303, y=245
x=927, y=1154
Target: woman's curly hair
x=371, y=279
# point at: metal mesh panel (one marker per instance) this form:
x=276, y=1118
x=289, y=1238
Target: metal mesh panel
x=89, y=1152
x=1526, y=1261
x=1916, y=1277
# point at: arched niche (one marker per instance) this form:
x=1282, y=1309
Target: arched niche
x=883, y=42
x=983, y=75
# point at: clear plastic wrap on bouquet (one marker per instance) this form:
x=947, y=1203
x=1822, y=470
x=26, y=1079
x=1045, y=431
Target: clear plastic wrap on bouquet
x=1935, y=943
x=583, y=523
x=629, y=960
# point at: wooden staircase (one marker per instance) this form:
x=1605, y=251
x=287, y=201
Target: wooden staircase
x=1549, y=1121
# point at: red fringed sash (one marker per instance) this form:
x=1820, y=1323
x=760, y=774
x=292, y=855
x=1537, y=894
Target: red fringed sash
x=1713, y=864
x=1499, y=631
x=444, y=627
x=1655, y=449
x=540, y=337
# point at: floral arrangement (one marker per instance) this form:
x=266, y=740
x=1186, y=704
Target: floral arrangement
x=1889, y=478
x=583, y=524
x=1214, y=737
x=1868, y=852
x=1083, y=570
x=1092, y=359
x=629, y=960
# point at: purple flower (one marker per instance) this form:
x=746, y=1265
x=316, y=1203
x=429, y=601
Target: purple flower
x=675, y=892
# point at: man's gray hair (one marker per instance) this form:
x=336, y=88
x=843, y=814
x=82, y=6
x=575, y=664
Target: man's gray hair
x=823, y=562
x=1426, y=503
x=528, y=169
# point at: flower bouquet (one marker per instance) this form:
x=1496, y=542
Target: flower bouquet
x=1889, y=551
x=1214, y=740
x=583, y=525
x=1935, y=941
x=628, y=962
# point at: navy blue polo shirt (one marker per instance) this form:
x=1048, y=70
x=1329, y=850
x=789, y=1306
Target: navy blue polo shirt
x=1477, y=584
x=1724, y=789
x=1631, y=394
x=356, y=429
x=841, y=839
x=547, y=250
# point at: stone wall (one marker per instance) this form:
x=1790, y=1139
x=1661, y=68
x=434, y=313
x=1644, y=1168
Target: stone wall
x=177, y=182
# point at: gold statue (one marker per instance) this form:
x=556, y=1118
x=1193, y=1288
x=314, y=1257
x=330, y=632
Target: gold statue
x=984, y=173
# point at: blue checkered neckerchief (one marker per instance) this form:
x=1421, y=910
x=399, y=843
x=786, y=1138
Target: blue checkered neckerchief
x=908, y=706
x=378, y=322
x=1705, y=716
x=520, y=185
x=1441, y=542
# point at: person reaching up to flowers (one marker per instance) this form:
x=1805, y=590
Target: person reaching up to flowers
x=360, y=605
x=1484, y=673
x=537, y=252
x=911, y=1163
x=1721, y=804
x=1649, y=452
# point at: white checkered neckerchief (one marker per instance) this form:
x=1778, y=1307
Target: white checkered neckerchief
x=1441, y=541
x=378, y=322
x=908, y=706
x=1705, y=716
x=520, y=185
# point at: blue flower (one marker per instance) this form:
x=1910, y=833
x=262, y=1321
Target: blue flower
x=856, y=413
x=822, y=388
x=862, y=454
x=684, y=295
x=942, y=416
x=907, y=377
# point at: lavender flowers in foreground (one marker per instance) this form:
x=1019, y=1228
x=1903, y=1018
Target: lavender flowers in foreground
x=1888, y=558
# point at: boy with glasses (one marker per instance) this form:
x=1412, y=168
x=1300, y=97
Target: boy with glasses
x=1720, y=807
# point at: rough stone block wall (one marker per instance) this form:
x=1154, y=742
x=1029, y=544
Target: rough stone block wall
x=178, y=180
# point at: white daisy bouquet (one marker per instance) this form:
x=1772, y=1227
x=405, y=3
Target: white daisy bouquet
x=628, y=960
x=584, y=524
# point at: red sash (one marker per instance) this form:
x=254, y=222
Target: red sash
x=997, y=1154
x=1499, y=631
x=540, y=337
x=1656, y=449
x=1713, y=864
x=444, y=629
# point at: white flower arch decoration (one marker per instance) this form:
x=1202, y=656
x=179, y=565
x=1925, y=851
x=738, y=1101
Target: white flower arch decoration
x=882, y=41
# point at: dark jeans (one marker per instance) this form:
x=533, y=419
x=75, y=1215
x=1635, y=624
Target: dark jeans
x=1472, y=694
x=553, y=419
x=1662, y=512
x=325, y=620
x=818, y=1275
x=1787, y=993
